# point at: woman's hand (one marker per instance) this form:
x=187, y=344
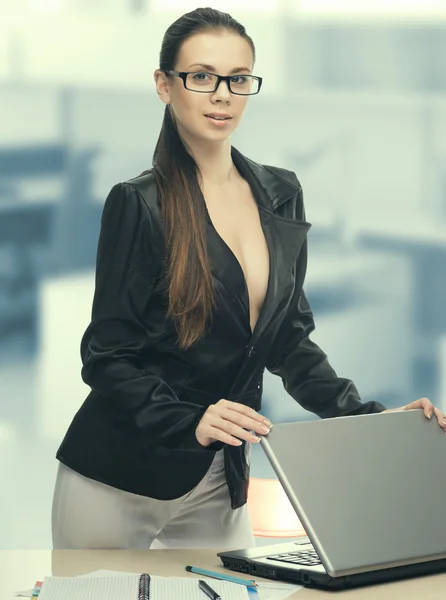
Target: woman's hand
x=230, y=422
x=429, y=410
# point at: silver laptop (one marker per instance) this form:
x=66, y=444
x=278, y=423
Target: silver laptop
x=370, y=492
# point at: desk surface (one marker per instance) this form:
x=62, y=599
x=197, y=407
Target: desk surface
x=19, y=569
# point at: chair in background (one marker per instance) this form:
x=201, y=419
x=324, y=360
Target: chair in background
x=272, y=514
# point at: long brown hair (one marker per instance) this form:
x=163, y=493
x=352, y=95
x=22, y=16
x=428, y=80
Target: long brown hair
x=188, y=274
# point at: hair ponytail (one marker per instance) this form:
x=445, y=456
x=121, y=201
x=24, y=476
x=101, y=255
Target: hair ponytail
x=188, y=274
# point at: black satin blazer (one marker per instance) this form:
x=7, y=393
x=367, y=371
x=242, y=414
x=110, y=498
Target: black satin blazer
x=136, y=429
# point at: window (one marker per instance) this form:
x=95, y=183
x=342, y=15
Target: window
x=258, y=6
x=370, y=7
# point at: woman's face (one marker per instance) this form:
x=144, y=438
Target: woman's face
x=223, y=53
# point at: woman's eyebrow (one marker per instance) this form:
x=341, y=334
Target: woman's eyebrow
x=212, y=69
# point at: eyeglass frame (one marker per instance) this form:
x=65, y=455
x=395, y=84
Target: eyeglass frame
x=183, y=75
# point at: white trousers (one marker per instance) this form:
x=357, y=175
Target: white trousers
x=87, y=514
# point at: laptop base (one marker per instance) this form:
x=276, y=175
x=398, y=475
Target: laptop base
x=325, y=581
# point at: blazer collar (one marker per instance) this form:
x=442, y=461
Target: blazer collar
x=284, y=236
x=275, y=187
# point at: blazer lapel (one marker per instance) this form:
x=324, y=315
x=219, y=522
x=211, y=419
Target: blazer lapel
x=284, y=236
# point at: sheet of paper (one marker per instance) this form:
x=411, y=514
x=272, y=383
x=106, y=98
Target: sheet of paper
x=160, y=583
x=276, y=591
x=29, y=593
x=90, y=588
x=265, y=591
x=122, y=586
x=168, y=588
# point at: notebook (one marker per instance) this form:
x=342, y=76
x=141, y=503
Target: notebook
x=135, y=587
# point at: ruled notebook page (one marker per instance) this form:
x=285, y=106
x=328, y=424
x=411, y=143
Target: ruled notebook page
x=179, y=588
x=125, y=587
x=90, y=588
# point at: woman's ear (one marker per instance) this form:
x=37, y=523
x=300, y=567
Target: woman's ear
x=162, y=86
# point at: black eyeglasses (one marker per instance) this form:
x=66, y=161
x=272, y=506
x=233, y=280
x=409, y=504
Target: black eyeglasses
x=206, y=83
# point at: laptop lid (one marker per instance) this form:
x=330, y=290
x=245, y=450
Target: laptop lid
x=370, y=490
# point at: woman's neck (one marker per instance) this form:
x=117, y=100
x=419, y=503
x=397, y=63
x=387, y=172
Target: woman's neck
x=214, y=161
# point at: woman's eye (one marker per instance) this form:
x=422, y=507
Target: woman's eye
x=239, y=79
x=201, y=76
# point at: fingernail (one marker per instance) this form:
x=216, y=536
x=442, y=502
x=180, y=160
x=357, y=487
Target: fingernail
x=265, y=429
x=429, y=415
x=255, y=439
x=267, y=423
x=444, y=421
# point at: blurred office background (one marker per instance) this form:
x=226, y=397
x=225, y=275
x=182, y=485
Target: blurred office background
x=354, y=101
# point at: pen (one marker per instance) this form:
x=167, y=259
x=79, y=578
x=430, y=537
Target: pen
x=250, y=583
x=204, y=587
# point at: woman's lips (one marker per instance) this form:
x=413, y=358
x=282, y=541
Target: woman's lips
x=218, y=122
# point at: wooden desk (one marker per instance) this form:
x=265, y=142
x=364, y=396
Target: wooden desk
x=19, y=569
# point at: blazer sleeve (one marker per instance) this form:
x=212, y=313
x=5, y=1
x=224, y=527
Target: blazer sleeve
x=303, y=366
x=112, y=345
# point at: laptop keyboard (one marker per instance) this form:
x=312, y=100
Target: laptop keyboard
x=308, y=558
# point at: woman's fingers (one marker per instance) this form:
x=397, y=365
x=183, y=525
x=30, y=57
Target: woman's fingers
x=440, y=418
x=213, y=429
x=244, y=421
x=237, y=423
x=429, y=410
x=234, y=431
x=244, y=410
x=219, y=435
x=229, y=422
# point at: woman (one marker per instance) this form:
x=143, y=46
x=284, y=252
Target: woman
x=200, y=267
